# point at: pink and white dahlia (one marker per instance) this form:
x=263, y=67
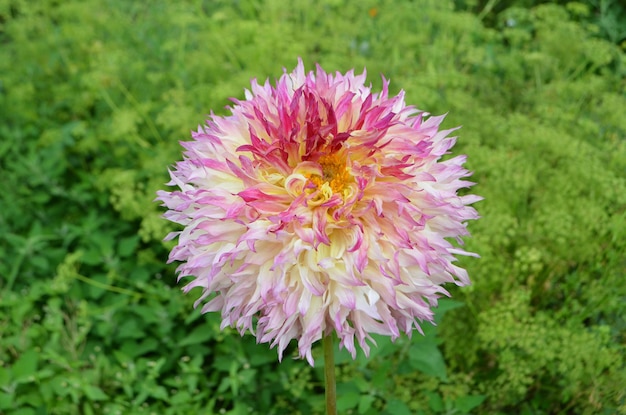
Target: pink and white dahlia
x=319, y=206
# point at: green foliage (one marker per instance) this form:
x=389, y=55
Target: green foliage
x=603, y=18
x=94, y=97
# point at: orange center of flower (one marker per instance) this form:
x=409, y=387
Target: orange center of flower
x=334, y=172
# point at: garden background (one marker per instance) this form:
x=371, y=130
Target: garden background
x=95, y=96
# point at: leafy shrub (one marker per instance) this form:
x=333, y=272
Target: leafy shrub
x=94, y=96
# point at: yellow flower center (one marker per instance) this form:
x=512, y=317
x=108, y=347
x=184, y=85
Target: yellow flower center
x=334, y=173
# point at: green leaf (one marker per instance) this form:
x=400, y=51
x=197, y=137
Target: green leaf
x=134, y=349
x=381, y=378
x=92, y=256
x=200, y=334
x=262, y=356
x=127, y=246
x=365, y=403
x=94, y=393
x=146, y=313
x=6, y=400
x=426, y=357
x=130, y=328
x=87, y=410
x=397, y=407
x=5, y=377
x=467, y=403
x=362, y=384
x=24, y=411
x=26, y=366
x=444, y=305
x=121, y=356
x=347, y=401
x=158, y=392
x=180, y=398
x=435, y=402
x=247, y=375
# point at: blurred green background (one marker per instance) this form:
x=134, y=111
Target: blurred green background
x=95, y=96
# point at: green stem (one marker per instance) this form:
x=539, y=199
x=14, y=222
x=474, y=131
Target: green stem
x=329, y=375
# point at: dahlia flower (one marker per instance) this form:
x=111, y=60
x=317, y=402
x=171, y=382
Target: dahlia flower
x=319, y=206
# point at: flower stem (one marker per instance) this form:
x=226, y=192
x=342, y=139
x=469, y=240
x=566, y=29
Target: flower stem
x=329, y=374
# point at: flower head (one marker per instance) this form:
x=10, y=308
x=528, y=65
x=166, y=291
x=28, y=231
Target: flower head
x=319, y=206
